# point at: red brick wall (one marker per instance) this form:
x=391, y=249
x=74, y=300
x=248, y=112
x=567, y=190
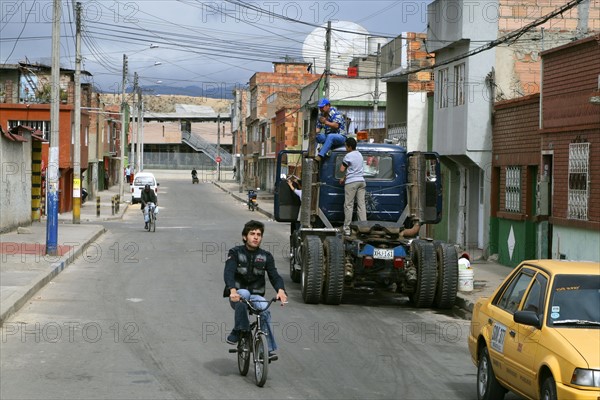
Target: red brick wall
x=515, y=142
x=570, y=79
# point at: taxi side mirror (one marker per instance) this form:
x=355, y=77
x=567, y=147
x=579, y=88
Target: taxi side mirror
x=529, y=318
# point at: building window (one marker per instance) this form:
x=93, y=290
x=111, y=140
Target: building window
x=42, y=126
x=459, y=84
x=513, y=189
x=443, y=88
x=578, y=181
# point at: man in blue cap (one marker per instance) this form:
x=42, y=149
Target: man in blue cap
x=335, y=128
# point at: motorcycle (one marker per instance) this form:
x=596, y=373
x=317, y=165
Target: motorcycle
x=195, y=179
x=252, y=202
x=84, y=195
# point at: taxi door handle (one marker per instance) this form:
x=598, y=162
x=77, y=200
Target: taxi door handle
x=512, y=333
x=490, y=321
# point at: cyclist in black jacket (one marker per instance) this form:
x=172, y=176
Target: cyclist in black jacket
x=244, y=274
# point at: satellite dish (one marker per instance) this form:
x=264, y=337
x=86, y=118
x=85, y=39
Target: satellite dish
x=351, y=42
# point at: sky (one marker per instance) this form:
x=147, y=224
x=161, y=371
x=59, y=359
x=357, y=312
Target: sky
x=208, y=44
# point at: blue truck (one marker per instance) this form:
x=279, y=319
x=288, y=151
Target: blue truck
x=403, y=193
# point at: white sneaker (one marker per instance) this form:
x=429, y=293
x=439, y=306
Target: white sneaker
x=347, y=231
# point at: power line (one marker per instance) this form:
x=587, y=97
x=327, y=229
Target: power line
x=512, y=36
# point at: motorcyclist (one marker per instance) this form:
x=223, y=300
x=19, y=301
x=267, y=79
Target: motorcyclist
x=194, y=175
x=148, y=196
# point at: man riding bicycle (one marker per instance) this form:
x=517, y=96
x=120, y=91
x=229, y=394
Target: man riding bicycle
x=245, y=277
x=147, y=196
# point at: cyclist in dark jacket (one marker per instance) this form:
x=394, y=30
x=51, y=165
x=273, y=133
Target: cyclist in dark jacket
x=147, y=196
x=244, y=275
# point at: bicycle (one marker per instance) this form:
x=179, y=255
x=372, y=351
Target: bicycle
x=254, y=343
x=151, y=217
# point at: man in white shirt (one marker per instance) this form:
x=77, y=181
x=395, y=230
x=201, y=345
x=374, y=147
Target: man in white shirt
x=354, y=185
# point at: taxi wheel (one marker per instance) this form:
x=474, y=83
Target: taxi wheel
x=549, y=389
x=488, y=387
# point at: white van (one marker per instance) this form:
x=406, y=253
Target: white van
x=142, y=179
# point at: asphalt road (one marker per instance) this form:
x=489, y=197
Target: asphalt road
x=141, y=316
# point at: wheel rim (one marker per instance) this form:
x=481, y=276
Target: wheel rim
x=260, y=360
x=483, y=376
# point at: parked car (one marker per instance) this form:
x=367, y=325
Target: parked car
x=142, y=179
x=538, y=335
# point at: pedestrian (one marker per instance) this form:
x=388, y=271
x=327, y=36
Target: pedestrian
x=234, y=172
x=333, y=123
x=244, y=275
x=106, y=179
x=128, y=173
x=354, y=185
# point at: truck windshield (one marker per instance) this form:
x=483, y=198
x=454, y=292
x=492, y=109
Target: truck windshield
x=374, y=166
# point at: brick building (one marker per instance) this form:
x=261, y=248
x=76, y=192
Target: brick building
x=26, y=89
x=545, y=196
x=271, y=92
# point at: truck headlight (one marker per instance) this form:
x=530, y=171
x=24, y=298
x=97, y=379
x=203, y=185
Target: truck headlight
x=586, y=377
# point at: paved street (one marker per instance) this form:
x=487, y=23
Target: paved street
x=141, y=316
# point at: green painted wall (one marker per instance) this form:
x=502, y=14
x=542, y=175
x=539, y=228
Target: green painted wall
x=525, y=244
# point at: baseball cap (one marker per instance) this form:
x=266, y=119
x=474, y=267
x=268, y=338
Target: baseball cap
x=323, y=102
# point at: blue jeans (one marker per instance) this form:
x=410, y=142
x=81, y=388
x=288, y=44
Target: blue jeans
x=329, y=141
x=241, y=321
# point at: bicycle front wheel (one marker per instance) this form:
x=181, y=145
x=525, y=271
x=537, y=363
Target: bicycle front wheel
x=244, y=355
x=152, y=223
x=261, y=359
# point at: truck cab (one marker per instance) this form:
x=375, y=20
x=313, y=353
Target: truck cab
x=403, y=192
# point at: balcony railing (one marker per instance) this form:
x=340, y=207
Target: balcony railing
x=397, y=133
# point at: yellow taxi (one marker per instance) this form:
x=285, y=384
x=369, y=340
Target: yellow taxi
x=538, y=335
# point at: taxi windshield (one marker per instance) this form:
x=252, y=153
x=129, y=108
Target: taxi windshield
x=574, y=301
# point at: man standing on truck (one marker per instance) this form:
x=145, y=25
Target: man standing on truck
x=354, y=184
x=335, y=128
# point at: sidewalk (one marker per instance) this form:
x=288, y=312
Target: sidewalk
x=25, y=268
x=488, y=274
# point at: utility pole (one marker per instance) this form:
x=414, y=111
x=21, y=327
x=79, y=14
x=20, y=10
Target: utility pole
x=77, y=120
x=218, y=147
x=241, y=142
x=141, y=149
x=52, y=175
x=123, y=125
x=376, y=96
x=327, y=58
x=138, y=111
x=134, y=138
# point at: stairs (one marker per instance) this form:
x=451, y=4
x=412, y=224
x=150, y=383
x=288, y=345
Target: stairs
x=211, y=150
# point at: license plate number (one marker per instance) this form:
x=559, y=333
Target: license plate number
x=383, y=254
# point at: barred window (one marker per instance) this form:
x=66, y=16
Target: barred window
x=443, y=88
x=513, y=189
x=579, y=154
x=43, y=126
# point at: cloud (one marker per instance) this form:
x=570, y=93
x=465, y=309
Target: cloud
x=195, y=42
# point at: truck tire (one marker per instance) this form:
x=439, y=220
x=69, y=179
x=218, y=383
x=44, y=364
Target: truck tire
x=423, y=258
x=447, y=275
x=295, y=258
x=333, y=289
x=312, y=269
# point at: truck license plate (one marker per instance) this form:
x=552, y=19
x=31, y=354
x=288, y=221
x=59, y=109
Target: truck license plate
x=383, y=254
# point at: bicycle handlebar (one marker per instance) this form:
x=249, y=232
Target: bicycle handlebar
x=256, y=310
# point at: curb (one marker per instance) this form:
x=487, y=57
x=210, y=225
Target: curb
x=56, y=268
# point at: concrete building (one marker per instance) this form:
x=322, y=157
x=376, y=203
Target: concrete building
x=408, y=101
x=468, y=83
